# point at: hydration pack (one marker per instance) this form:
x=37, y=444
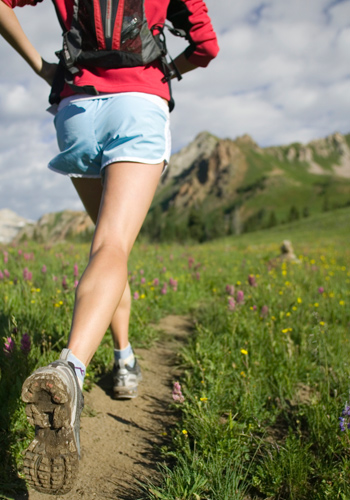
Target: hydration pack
x=110, y=34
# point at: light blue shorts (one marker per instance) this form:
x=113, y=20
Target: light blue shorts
x=93, y=132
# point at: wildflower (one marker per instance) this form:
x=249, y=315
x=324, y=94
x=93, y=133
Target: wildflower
x=322, y=323
x=244, y=351
x=197, y=276
x=177, y=393
x=163, y=269
x=173, y=282
x=264, y=311
x=240, y=297
x=136, y=296
x=254, y=308
x=25, y=343
x=344, y=421
x=1, y=275
x=76, y=283
x=316, y=304
x=44, y=269
x=26, y=274
x=64, y=282
x=190, y=262
x=252, y=280
x=230, y=289
x=231, y=304
x=9, y=346
x=142, y=271
x=75, y=271
x=203, y=399
x=6, y=257
x=299, y=300
x=143, y=281
x=184, y=432
x=164, y=289
x=321, y=290
x=156, y=282
x=142, y=296
x=243, y=374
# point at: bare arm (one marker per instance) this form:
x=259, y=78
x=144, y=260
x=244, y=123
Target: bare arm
x=13, y=33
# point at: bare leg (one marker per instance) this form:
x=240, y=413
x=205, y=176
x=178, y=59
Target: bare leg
x=128, y=192
x=90, y=193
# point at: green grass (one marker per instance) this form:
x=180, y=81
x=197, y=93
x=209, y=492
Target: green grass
x=263, y=393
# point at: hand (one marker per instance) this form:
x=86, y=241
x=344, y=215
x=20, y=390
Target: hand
x=47, y=71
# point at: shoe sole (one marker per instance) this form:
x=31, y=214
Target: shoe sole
x=51, y=461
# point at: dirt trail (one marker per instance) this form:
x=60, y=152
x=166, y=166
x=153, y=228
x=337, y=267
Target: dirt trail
x=119, y=438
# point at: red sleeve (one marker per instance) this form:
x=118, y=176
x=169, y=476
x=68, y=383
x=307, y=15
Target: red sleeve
x=192, y=17
x=20, y=3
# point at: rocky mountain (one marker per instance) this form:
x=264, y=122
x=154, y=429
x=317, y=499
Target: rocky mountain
x=58, y=226
x=11, y=224
x=242, y=183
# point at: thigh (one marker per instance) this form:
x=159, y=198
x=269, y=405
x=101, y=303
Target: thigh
x=90, y=193
x=127, y=195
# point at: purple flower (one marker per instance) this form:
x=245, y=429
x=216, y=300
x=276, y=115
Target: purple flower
x=6, y=273
x=344, y=420
x=26, y=273
x=173, y=282
x=164, y=289
x=177, y=393
x=64, y=282
x=252, y=280
x=6, y=256
x=321, y=289
x=230, y=289
x=142, y=271
x=44, y=269
x=254, y=308
x=240, y=297
x=143, y=281
x=20, y=252
x=76, y=283
x=1, y=275
x=197, y=276
x=136, y=296
x=231, y=304
x=25, y=343
x=190, y=262
x=264, y=311
x=9, y=346
x=75, y=271
x=156, y=282
x=163, y=269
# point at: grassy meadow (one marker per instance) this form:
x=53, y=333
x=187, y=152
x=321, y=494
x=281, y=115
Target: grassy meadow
x=265, y=371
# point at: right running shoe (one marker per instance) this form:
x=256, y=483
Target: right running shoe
x=54, y=405
x=126, y=380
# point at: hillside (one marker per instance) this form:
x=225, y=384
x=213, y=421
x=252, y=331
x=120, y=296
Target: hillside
x=221, y=186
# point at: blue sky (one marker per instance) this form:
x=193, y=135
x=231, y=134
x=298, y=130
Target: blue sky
x=282, y=75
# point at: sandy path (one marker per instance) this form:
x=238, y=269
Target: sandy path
x=120, y=438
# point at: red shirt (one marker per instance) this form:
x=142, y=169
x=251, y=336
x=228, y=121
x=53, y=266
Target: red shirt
x=148, y=79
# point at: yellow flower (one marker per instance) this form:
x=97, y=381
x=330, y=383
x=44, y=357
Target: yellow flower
x=331, y=294
x=243, y=351
x=243, y=374
x=312, y=261
x=184, y=431
x=60, y=303
x=32, y=301
x=342, y=302
x=203, y=399
x=280, y=292
x=322, y=323
x=38, y=290
x=273, y=318
x=299, y=300
x=316, y=304
x=288, y=314
x=294, y=308
x=238, y=283
x=214, y=290
x=285, y=330
x=142, y=296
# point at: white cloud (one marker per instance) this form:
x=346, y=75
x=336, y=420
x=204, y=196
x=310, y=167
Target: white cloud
x=282, y=75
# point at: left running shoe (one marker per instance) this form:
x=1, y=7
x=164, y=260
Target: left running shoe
x=54, y=404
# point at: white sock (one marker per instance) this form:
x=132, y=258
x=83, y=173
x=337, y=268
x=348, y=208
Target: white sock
x=80, y=368
x=127, y=355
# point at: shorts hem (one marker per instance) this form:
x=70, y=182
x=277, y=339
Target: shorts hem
x=74, y=175
x=146, y=161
